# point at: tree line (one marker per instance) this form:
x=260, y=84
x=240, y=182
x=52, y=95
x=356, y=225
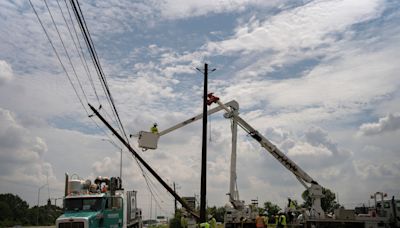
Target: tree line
x=15, y=211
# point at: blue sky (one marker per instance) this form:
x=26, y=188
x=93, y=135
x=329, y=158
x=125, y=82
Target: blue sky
x=319, y=78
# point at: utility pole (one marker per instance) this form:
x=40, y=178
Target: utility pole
x=203, y=184
x=175, y=199
x=38, y=197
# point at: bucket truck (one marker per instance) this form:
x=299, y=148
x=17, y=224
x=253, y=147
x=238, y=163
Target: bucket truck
x=238, y=210
x=240, y=213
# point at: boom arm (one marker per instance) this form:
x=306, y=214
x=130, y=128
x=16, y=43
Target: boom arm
x=315, y=189
x=148, y=140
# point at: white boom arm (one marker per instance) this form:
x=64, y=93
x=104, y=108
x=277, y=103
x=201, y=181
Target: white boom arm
x=315, y=189
x=148, y=140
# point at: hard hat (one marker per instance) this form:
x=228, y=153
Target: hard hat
x=155, y=124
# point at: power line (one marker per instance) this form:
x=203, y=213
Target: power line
x=58, y=56
x=89, y=42
x=65, y=70
x=66, y=51
x=80, y=53
x=151, y=186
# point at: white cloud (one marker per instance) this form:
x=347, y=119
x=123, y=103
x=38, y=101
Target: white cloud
x=372, y=170
x=308, y=26
x=6, y=72
x=389, y=123
x=176, y=9
x=22, y=153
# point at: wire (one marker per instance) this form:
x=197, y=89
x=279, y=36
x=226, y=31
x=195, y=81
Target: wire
x=58, y=56
x=151, y=186
x=66, y=51
x=81, y=20
x=65, y=70
x=80, y=50
x=88, y=45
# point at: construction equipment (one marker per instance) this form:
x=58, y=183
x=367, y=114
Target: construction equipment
x=148, y=140
x=103, y=203
x=241, y=213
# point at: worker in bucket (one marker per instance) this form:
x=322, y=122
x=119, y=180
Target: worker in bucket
x=154, y=129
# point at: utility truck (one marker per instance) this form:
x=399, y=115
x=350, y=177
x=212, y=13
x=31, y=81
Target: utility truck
x=103, y=203
x=241, y=215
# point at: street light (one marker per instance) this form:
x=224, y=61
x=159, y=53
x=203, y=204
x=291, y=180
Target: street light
x=120, y=162
x=38, y=197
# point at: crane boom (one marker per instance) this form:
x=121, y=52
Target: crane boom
x=315, y=189
x=279, y=155
x=200, y=116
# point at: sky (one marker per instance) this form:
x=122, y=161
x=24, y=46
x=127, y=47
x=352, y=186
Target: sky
x=319, y=78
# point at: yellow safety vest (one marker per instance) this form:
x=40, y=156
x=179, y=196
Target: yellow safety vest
x=184, y=222
x=213, y=223
x=292, y=206
x=205, y=225
x=154, y=130
x=282, y=220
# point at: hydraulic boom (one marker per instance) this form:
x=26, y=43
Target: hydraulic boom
x=315, y=189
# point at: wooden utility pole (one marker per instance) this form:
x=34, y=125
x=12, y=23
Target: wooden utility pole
x=175, y=200
x=203, y=184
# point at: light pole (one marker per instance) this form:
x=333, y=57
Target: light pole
x=38, y=197
x=120, y=162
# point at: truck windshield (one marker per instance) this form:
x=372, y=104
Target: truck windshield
x=83, y=204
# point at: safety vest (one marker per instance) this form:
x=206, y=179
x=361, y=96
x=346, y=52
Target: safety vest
x=205, y=225
x=282, y=220
x=184, y=222
x=260, y=222
x=213, y=223
x=266, y=220
x=292, y=206
x=154, y=130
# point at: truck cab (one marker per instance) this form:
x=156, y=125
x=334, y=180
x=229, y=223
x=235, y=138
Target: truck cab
x=101, y=204
x=98, y=210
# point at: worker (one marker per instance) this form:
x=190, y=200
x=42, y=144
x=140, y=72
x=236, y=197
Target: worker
x=184, y=222
x=154, y=129
x=291, y=208
x=291, y=205
x=281, y=220
x=212, y=221
x=260, y=221
x=266, y=218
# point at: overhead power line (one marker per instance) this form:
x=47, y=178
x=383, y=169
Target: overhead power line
x=86, y=34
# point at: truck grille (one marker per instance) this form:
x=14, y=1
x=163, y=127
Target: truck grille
x=71, y=225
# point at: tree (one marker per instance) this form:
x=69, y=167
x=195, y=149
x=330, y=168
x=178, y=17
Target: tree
x=17, y=206
x=271, y=208
x=217, y=212
x=328, y=201
x=15, y=211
